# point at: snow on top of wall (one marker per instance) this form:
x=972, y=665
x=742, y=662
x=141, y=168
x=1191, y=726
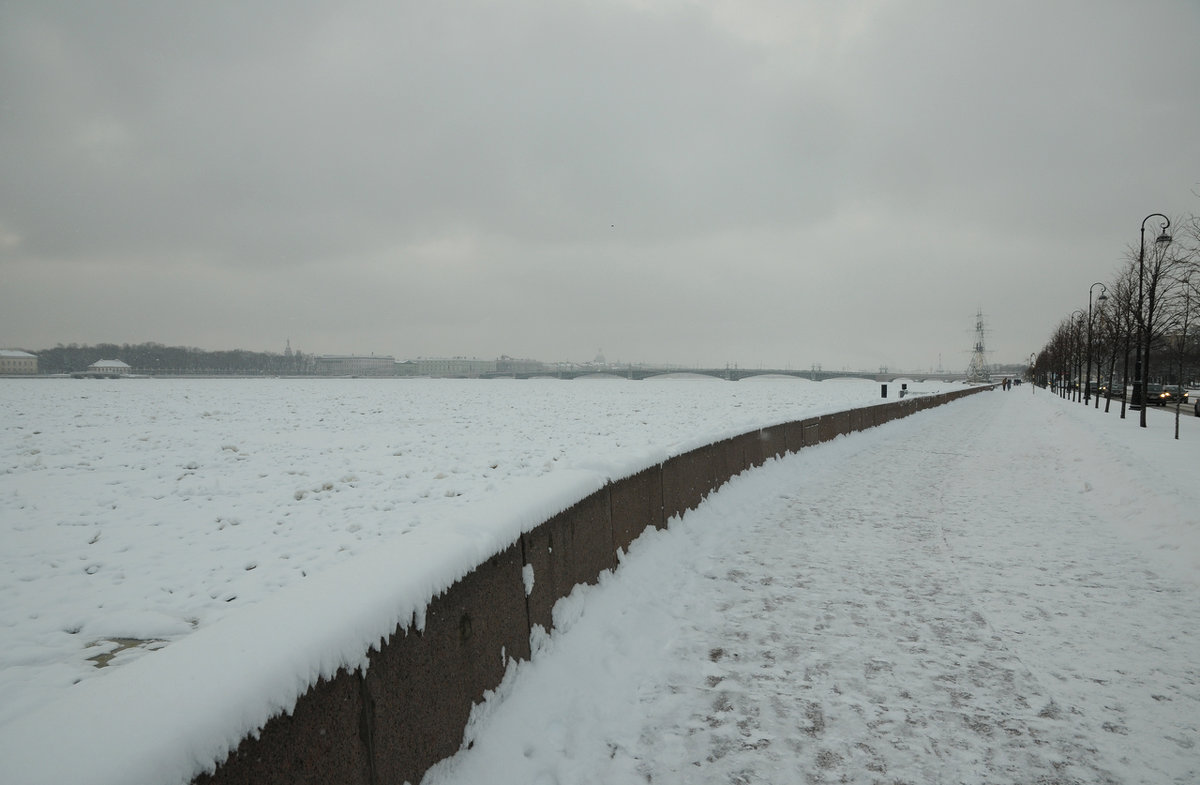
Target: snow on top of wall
x=190, y=704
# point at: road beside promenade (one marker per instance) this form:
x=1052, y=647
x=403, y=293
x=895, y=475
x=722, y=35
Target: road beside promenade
x=1004, y=589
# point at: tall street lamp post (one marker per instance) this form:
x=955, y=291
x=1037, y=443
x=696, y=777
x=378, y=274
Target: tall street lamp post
x=1087, y=395
x=1077, y=316
x=1032, y=374
x=1139, y=384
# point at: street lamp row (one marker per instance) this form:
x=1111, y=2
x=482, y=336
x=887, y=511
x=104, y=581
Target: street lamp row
x=1138, y=400
x=1141, y=348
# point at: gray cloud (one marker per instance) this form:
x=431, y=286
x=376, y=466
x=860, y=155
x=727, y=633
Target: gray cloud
x=688, y=181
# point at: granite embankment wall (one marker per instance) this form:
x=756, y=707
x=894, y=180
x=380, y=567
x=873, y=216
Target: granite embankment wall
x=409, y=709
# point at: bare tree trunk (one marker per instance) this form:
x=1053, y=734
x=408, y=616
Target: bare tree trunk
x=1125, y=377
x=1112, y=368
x=1145, y=355
x=1183, y=331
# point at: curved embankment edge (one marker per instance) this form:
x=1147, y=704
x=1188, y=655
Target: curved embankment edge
x=409, y=708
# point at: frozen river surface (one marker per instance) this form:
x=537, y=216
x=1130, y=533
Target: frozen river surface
x=135, y=511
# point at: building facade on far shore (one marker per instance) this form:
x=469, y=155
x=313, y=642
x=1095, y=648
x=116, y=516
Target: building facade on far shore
x=109, y=368
x=14, y=362
x=519, y=365
x=354, y=365
x=448, y=367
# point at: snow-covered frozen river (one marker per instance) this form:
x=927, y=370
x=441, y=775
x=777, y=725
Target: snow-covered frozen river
x=135, y=511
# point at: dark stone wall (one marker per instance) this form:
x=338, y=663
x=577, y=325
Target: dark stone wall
x=772, y=443
x=410, y=708
x=321, y=741
x=686, y=480
x=571, y=548
x=419, y=688
x=635, y=504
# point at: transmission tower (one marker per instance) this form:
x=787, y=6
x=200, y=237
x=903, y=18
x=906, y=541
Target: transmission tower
x=978, y=370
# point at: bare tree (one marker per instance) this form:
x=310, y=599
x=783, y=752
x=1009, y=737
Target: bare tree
x=1183, y=324
x=1116, y=335
x=1155, y=294
x=1057, y=360
x=1158, y=279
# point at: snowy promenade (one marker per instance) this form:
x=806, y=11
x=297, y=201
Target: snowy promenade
x=1002, y=590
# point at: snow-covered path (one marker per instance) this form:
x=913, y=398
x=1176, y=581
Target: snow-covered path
x=958, y=597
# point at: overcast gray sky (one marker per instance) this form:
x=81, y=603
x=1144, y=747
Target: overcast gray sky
x=764, y=182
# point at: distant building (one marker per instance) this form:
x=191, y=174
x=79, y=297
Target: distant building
x=15, y=362
x=449, y=367
x=517, y=365
x=108, y=368
x=354, y=365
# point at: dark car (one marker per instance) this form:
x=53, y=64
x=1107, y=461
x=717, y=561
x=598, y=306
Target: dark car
x=1163, y=394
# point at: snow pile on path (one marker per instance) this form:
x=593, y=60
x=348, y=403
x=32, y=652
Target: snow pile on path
x=1005, y=589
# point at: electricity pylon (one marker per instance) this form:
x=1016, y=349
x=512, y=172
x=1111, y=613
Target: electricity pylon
x=978, y=370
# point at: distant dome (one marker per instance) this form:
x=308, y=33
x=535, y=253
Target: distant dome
x=600, y=358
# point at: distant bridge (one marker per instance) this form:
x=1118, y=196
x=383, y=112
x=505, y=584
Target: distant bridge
x=732, y=374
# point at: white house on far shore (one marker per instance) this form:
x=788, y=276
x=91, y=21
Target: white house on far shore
x=16, y=362
x=109, y=368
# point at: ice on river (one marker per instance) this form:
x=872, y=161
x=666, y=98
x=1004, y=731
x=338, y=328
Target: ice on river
x=135, y=511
